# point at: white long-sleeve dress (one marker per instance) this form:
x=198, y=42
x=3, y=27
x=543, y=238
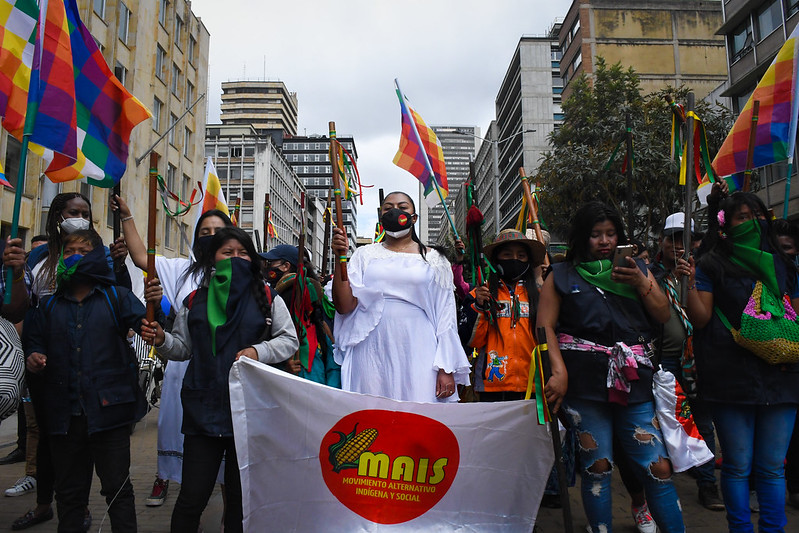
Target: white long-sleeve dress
x=404, y=328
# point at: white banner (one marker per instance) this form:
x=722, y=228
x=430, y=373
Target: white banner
x=314, y=458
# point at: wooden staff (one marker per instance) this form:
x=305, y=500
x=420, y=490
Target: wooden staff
x=341, y=264
x=563, y=483
x=689, y=176
x=328, y=216
x=750, y=151
x=151, y=221
x=533, y=212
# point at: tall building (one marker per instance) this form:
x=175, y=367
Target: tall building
x=667, y=43
x=459, y=144
x=250, y=166
x=527, y=111
x=755, y=31
x=308, y=155
x=159, y=51
x=267, y=105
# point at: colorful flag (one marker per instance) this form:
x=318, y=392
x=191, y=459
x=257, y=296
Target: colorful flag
x=3, y=180
x=421, y=154
x=380, y=233
x=234, y=216
x=270, y=228
x=106, y=113
x=213, y=196
x=17, y=42
x=775, y=136
x=365, y=463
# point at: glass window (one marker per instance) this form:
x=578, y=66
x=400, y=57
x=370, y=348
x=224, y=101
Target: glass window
x=791, y=7
x=120, y=72
x=189, y=94
x=163, y=5
x=769, y=19
x=124, y=22
x=171, y=171
x=13, y=158
x=178, y=34
x=740, y=41
x=169, y=238
x=187, y=144
x=99, y=8
x=578, y=60
x=192, y=49
x=175, y=80
x=160, y=60
x=158, y=107
x=173, y=136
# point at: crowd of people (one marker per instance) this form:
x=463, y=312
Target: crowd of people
x=398, y=320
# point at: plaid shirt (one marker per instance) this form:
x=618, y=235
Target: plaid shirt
x=27, y=276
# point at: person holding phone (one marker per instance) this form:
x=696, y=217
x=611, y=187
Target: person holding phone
x=597, y=319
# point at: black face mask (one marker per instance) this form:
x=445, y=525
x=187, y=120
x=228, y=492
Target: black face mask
x=396, y=220
x=201, y=245
x=273, y=275
x=511, y=269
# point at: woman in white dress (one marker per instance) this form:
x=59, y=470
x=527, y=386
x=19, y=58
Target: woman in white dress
x=395, y=326
x=179, y=277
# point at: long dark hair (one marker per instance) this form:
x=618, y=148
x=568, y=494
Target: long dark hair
x=414, y=235
x=55, y=241
x=200, y=252
x=529, y=285
x=258, y=284
x=717, y=247
x=583, y=223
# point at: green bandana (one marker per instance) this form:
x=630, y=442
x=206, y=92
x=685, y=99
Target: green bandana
x=598, y=272
x=63, y=272
x=218, y=293
x=746, y=253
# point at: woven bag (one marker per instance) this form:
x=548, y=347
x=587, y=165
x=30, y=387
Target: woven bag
x=775, y=339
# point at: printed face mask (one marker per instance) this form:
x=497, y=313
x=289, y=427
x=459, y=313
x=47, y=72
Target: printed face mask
x=397, y=222
x=71, y=225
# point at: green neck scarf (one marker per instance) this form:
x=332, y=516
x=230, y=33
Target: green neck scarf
x=598, y=272
x=747, y=254
x=218, y=295
x=64, y=272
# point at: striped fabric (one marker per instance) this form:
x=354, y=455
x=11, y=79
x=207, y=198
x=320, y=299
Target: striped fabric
x=12, y=369
x=17, y=41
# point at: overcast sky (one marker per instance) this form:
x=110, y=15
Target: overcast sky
x=341, y=58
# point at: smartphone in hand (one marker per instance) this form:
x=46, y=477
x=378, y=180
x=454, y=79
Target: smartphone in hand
x=622, y=253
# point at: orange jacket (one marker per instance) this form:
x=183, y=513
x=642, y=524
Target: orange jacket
x=505, y=351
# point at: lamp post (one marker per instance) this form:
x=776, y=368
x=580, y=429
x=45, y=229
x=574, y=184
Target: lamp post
x=495, y=149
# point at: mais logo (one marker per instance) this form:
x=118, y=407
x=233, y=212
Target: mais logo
x=389, y=467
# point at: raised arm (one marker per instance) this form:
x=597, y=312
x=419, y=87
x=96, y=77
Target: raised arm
x=343, y=299
x=136, y=247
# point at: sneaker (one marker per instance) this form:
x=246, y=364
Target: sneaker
x=709, y=498
x=15, y=456
x=158, y=494
x=23, y=485
x=643, y=519
x=30, y=519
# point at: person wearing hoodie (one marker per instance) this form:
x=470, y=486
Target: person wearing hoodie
x=76, y=343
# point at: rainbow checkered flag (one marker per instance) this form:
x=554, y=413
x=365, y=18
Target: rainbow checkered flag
x=775, y=137
x=17, y=42
x=421, y=154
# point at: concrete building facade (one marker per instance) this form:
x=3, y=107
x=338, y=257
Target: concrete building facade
x=667, y=43
x=267, y=105
x=250, y=166
x=159, y=50
x=754, y=31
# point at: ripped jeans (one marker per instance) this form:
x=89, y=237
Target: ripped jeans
x=596, y=422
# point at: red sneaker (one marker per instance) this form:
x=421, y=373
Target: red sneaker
x=158, y=494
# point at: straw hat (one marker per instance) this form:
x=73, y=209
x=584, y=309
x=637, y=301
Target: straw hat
x=536, y=249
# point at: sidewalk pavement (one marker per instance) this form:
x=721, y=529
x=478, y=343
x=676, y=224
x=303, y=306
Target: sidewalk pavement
x=156, y=519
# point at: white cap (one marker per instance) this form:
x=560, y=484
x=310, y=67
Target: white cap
x=675, y=223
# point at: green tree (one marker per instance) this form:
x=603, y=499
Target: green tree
x=574, y=173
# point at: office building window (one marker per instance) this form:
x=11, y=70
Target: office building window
x=791, y=7
x=189, y=93
x=178, y=34
x=160, y=60
x=163, y=5
x=769, y=19
x=124, y=22
x=173, y=135
x=187, y=143
x=121, y=72
x=158, y=107
x=740, y=41
x=192, y=49
x=175, y=80
x=99, y=8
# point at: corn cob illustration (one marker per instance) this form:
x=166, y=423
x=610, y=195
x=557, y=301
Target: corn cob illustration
x=346, y=452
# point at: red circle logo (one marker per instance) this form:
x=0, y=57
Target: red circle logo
x=389, y=467
x=403, y=220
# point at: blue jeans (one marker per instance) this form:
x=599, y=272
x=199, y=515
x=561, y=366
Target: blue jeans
x=754, y=440
x=596, y=423
x=706, y=473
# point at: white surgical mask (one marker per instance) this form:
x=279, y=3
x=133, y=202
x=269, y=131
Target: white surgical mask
x=398, y=234
x=70, y=225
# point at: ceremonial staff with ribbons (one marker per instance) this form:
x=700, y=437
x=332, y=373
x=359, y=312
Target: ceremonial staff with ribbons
x=341, y=264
